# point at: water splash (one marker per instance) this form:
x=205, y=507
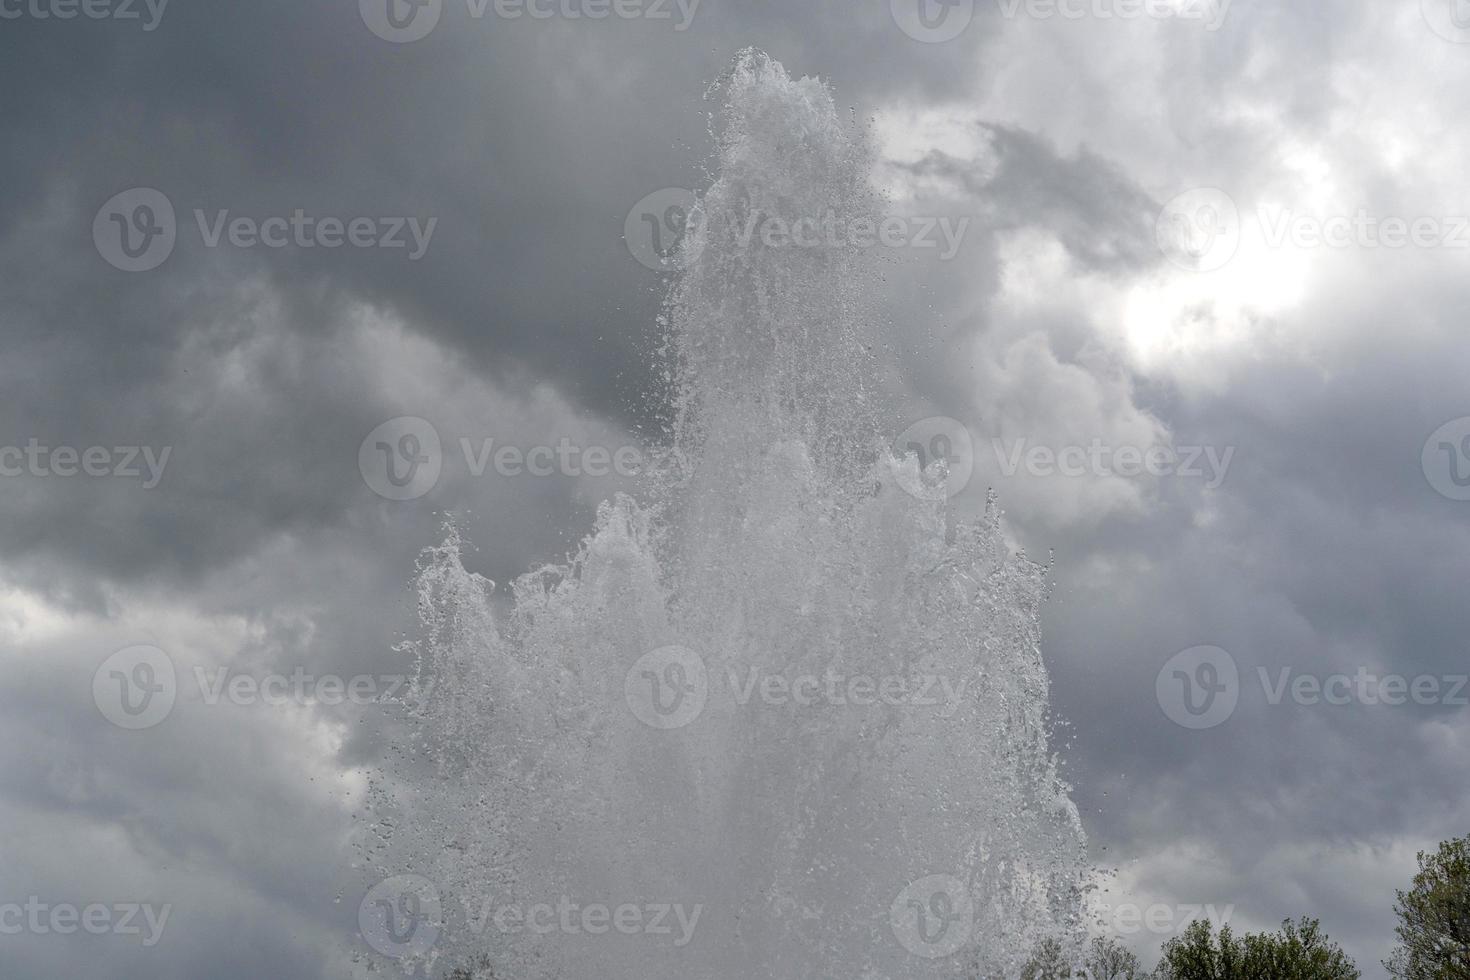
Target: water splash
x=769, y=704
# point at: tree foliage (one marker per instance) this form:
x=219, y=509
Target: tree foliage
x=1104, y=960
x=1434, y=918
x=1299, y=951
x=1047, y=963
x=480, y=969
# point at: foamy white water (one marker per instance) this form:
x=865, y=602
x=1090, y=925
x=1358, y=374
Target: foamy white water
x=768, y=704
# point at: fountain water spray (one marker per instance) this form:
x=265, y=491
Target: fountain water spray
x=774, y=720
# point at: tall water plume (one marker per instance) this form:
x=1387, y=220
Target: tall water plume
x=772, y=695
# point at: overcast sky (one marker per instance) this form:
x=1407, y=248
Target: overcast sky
x=1233, y=229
